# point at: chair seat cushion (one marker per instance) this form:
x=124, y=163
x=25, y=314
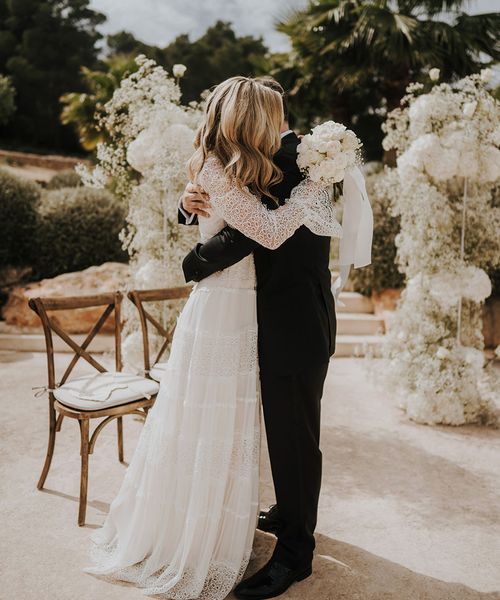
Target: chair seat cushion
x=158, y=370
x=103, y=390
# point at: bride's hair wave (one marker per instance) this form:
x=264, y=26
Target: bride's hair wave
x=241, y=127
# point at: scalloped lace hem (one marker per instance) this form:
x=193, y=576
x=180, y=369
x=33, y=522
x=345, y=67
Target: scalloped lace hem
x=167, y=582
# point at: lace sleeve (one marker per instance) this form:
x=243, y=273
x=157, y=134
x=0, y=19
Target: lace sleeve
x=319, y=209
x=244, y=211
x=310, y=204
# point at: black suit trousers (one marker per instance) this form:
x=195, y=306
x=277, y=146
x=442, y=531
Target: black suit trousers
x=292, y=408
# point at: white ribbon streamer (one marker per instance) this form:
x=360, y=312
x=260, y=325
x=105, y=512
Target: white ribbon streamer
x=357, y=229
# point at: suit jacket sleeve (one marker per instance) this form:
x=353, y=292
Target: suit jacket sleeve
x=184, y=218
x=223, y=250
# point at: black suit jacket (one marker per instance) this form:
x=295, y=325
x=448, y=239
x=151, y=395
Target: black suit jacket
x=295, y=306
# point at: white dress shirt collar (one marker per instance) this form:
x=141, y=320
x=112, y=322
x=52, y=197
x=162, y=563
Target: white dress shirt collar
x=285, y=133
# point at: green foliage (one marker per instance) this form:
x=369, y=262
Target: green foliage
x=82, y=110
x=218, y=54
x=215, y=56
x=383, y=272
x=7, y=100
x=19, y=199
x=352, y=59
x=43, y=44
x=68, y=178
x=124, y=44
x=77, y=228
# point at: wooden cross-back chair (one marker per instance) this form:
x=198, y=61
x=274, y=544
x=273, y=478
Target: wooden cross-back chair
x=105, y=394
x=154, y=368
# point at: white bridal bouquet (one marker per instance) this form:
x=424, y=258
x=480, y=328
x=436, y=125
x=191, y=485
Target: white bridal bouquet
x=328, y=152
x=328, y=155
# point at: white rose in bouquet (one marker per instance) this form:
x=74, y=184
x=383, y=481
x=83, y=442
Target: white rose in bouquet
x=328, y=152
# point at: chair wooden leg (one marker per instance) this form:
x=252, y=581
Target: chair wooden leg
x=84, y=452
x=50, y=447
x=59, y=422
x=119, y=425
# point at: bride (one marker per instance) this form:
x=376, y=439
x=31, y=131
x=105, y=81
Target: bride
x=183, y=522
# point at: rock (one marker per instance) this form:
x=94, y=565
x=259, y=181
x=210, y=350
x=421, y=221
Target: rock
x=108, y=277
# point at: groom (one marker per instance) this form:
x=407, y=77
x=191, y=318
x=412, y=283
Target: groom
x=297, y=327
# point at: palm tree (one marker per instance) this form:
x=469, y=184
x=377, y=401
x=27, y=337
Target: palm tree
x=82, y=110
x=353, y=59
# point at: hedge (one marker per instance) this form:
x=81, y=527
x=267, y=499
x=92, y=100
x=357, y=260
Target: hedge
x=77, y=228
x=19, y=199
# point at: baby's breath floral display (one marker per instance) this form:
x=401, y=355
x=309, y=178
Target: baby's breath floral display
x=151, y=138
x=448, y=165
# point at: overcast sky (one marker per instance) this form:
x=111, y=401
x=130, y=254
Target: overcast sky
x=160, y=21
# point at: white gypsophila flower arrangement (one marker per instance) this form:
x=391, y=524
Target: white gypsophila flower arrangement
x=151, y=138
x=328, y=152
x=446, y=139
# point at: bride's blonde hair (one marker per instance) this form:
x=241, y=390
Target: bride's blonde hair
x=241, y=128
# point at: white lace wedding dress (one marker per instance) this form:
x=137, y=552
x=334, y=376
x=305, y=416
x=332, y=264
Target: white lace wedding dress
x=183, y=522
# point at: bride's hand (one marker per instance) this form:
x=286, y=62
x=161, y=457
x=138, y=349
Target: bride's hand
x=195, y=200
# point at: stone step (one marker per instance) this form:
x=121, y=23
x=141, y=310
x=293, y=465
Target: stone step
x=359, y=324
x=356, y=345
x=355, y=303
x=346, y=345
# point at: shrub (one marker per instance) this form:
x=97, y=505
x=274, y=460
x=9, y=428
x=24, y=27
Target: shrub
x=64, y=179
x=19, y=199
x=7, y=100
x=77, y=228
x=383, y=272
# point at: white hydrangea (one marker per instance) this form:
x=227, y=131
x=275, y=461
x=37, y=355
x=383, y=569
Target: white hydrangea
x=469, y=282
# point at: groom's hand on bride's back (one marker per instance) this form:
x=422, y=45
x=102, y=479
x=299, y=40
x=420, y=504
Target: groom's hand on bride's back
x=195, y=201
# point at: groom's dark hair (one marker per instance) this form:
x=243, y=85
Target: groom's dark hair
x=270, y=82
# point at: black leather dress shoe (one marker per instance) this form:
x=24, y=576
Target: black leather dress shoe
x=269, y=520
x=272, y=580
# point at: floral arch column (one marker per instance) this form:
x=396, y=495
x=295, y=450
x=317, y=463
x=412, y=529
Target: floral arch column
x=443, y=189
x=150, y=138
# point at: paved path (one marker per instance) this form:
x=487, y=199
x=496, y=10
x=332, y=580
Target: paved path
x=407, y=512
